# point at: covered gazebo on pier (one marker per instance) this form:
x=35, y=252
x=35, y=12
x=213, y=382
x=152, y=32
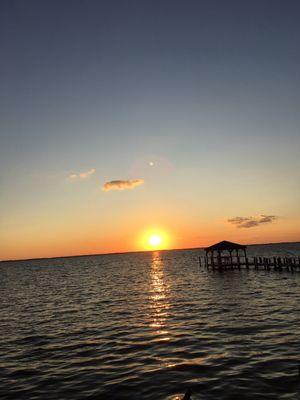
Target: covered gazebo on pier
x=225, y=254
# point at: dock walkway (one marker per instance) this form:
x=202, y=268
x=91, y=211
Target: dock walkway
x=268, y=263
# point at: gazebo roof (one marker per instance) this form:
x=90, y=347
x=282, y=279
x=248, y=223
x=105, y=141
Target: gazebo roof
x=225, y=245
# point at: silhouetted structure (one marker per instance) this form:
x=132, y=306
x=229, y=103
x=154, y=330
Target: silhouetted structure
x=225, y=253
x=225, y=246
x=228, y=255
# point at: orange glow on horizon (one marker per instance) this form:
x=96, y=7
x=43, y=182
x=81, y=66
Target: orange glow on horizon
x=52, y=238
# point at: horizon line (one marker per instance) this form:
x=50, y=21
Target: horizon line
x=129, y=252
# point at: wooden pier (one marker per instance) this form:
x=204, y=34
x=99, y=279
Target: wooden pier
x=227, y=255
x=291, y=264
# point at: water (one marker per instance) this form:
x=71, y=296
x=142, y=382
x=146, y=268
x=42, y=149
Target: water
x=147, y=326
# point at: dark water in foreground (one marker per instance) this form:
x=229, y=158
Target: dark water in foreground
x=147, y=326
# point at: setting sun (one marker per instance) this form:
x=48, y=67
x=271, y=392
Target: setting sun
x=155, y=239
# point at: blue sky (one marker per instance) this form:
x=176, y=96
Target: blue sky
x=210, y=87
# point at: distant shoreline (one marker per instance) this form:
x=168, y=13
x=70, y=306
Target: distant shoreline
x=133, y=252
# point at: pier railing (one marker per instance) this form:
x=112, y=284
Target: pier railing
x=238, y=262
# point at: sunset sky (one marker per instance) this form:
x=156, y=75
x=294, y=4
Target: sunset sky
x=124, y=118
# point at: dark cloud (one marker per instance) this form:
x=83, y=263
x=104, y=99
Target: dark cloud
x=267, y=218
x=122, y=184
x=250, y=222
x=238, y=220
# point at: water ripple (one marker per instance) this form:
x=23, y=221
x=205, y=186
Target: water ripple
x=147, y=326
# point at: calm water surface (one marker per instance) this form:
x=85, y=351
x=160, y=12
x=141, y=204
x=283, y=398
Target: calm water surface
x=147, y=326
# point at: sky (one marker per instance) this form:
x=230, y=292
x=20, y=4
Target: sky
x=124, y=117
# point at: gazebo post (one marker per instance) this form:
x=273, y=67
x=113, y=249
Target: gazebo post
x=219, y=260
x=238, y=259
x=231, y=259
x=214, y=255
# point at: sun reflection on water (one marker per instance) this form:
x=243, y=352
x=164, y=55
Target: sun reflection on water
x=159, y=292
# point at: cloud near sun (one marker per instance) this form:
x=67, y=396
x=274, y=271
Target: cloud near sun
x=82, y=175
x=250, y=222
x=122, y=184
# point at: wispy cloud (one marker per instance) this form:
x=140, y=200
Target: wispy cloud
x=122, y=184
x=250, y=222
x=82, y=175
x=267, y=218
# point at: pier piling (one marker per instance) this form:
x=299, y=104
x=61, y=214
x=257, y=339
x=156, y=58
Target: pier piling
x=291, y=264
